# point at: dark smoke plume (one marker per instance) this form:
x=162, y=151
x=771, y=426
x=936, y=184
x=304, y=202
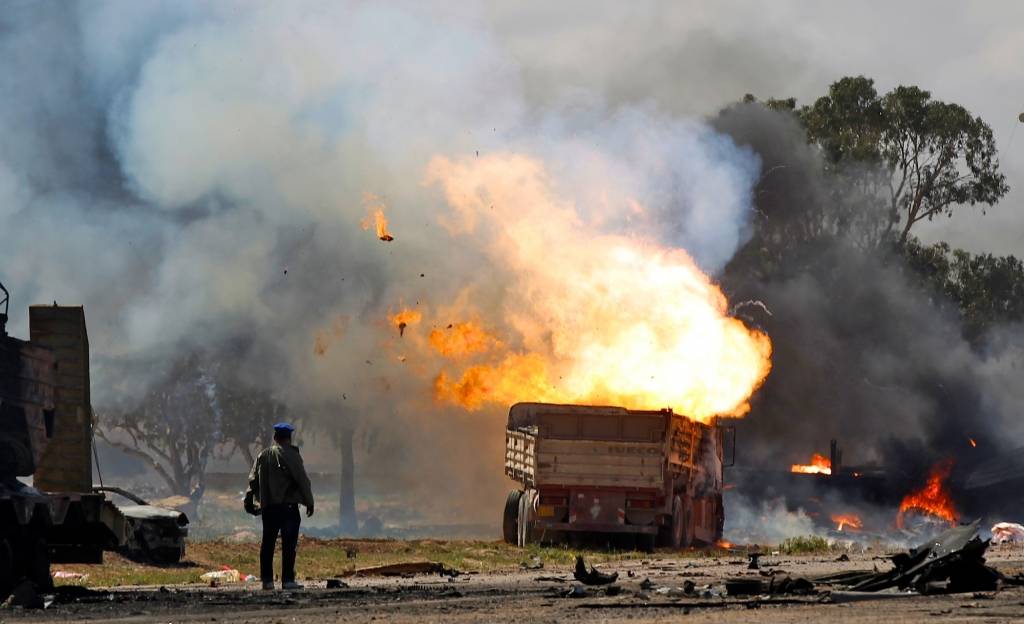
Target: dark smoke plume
x=863, y=352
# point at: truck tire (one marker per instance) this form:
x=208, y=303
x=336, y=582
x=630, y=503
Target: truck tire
x=510, y=518
x=525, y=523
x=645, y=542
x=719, y=519
x=7, y=576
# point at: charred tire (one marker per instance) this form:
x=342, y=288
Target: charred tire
x=167, y=555
x=38, y=565
x=645, y=542
x=510, y=518
x=7, y=576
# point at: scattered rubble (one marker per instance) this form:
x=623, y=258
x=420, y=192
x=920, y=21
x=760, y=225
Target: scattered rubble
x=407, y=569
x=592, y=576
x=534, y=564
x=951, y=562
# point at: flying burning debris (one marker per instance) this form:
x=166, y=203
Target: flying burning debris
x=973, y=443
x=588, y=316
x=405, y=318
x=848, y=521
x=933, y=499
x=459, y=340
x=375, y=217
x=819, y=465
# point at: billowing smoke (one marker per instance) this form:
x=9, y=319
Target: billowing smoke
x=864, y=352
x=196, y=176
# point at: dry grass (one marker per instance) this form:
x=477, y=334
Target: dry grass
x=319, y=559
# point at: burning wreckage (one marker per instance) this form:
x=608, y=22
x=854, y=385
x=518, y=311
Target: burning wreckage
x=952, y=562
x=875, y=503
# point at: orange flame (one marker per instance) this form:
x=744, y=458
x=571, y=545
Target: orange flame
x=461, y=339
x=852, y=521
x=514, y=377
x=933, y=499
x=405, y=318
x=591, y=317
x=973, y=443
x=724, y=545
x=819, y=465
x=375, y=216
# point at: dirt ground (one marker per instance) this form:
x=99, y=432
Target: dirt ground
x=647, y=592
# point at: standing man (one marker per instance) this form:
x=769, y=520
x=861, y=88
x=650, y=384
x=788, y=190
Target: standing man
x=277, y=485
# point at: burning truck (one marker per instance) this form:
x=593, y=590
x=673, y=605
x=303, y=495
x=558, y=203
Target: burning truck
x=654, y=475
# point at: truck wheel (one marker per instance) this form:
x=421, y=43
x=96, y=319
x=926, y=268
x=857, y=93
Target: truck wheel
x=167, y=555
x=525, y=523
x=719, y=518
x=645, y=542
x=6, y=570
x=510, y=518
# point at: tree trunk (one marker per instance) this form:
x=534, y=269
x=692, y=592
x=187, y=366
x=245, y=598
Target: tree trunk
x=347, y=522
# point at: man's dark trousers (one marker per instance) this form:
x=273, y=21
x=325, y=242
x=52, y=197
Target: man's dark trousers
x=283, y=519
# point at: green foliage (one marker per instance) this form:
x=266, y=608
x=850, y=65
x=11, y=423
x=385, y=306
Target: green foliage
x=912, y=157
x=894, y=160
x=986, y=289
x=805, y=544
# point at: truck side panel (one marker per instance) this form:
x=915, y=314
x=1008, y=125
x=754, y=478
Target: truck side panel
x=593, y=463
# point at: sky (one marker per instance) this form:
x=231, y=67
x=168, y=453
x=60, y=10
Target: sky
x=692, y=57
x=195, y=172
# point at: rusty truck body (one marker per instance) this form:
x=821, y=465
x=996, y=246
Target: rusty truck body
x=654, y=475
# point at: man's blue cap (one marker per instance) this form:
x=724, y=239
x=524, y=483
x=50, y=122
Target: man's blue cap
x=284, y=427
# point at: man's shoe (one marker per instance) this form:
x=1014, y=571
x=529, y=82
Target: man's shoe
x=291, y=585
x=268, y=585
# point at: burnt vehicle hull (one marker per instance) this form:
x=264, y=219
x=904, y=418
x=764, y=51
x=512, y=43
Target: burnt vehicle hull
x=155, y=534
x=38, y=527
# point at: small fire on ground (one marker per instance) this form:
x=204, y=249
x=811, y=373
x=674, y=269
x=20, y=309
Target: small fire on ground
x=850, y=522
x=934, y=499
x=819, y=465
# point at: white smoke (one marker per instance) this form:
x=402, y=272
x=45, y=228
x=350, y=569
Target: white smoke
x=195, y=172
x=767, y=522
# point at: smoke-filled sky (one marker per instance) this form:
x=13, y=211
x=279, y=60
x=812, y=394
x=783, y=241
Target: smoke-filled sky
x=196, y=172
x=691, y=57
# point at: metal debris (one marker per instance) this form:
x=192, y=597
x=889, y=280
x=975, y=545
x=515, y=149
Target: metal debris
x=950, y=563
x=592, y=576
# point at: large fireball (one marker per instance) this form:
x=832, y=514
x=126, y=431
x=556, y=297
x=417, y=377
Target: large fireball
x=587, y=315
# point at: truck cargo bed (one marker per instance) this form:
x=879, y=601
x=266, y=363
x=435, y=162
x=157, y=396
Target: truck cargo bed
x=532, y=461
x=599, y=446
